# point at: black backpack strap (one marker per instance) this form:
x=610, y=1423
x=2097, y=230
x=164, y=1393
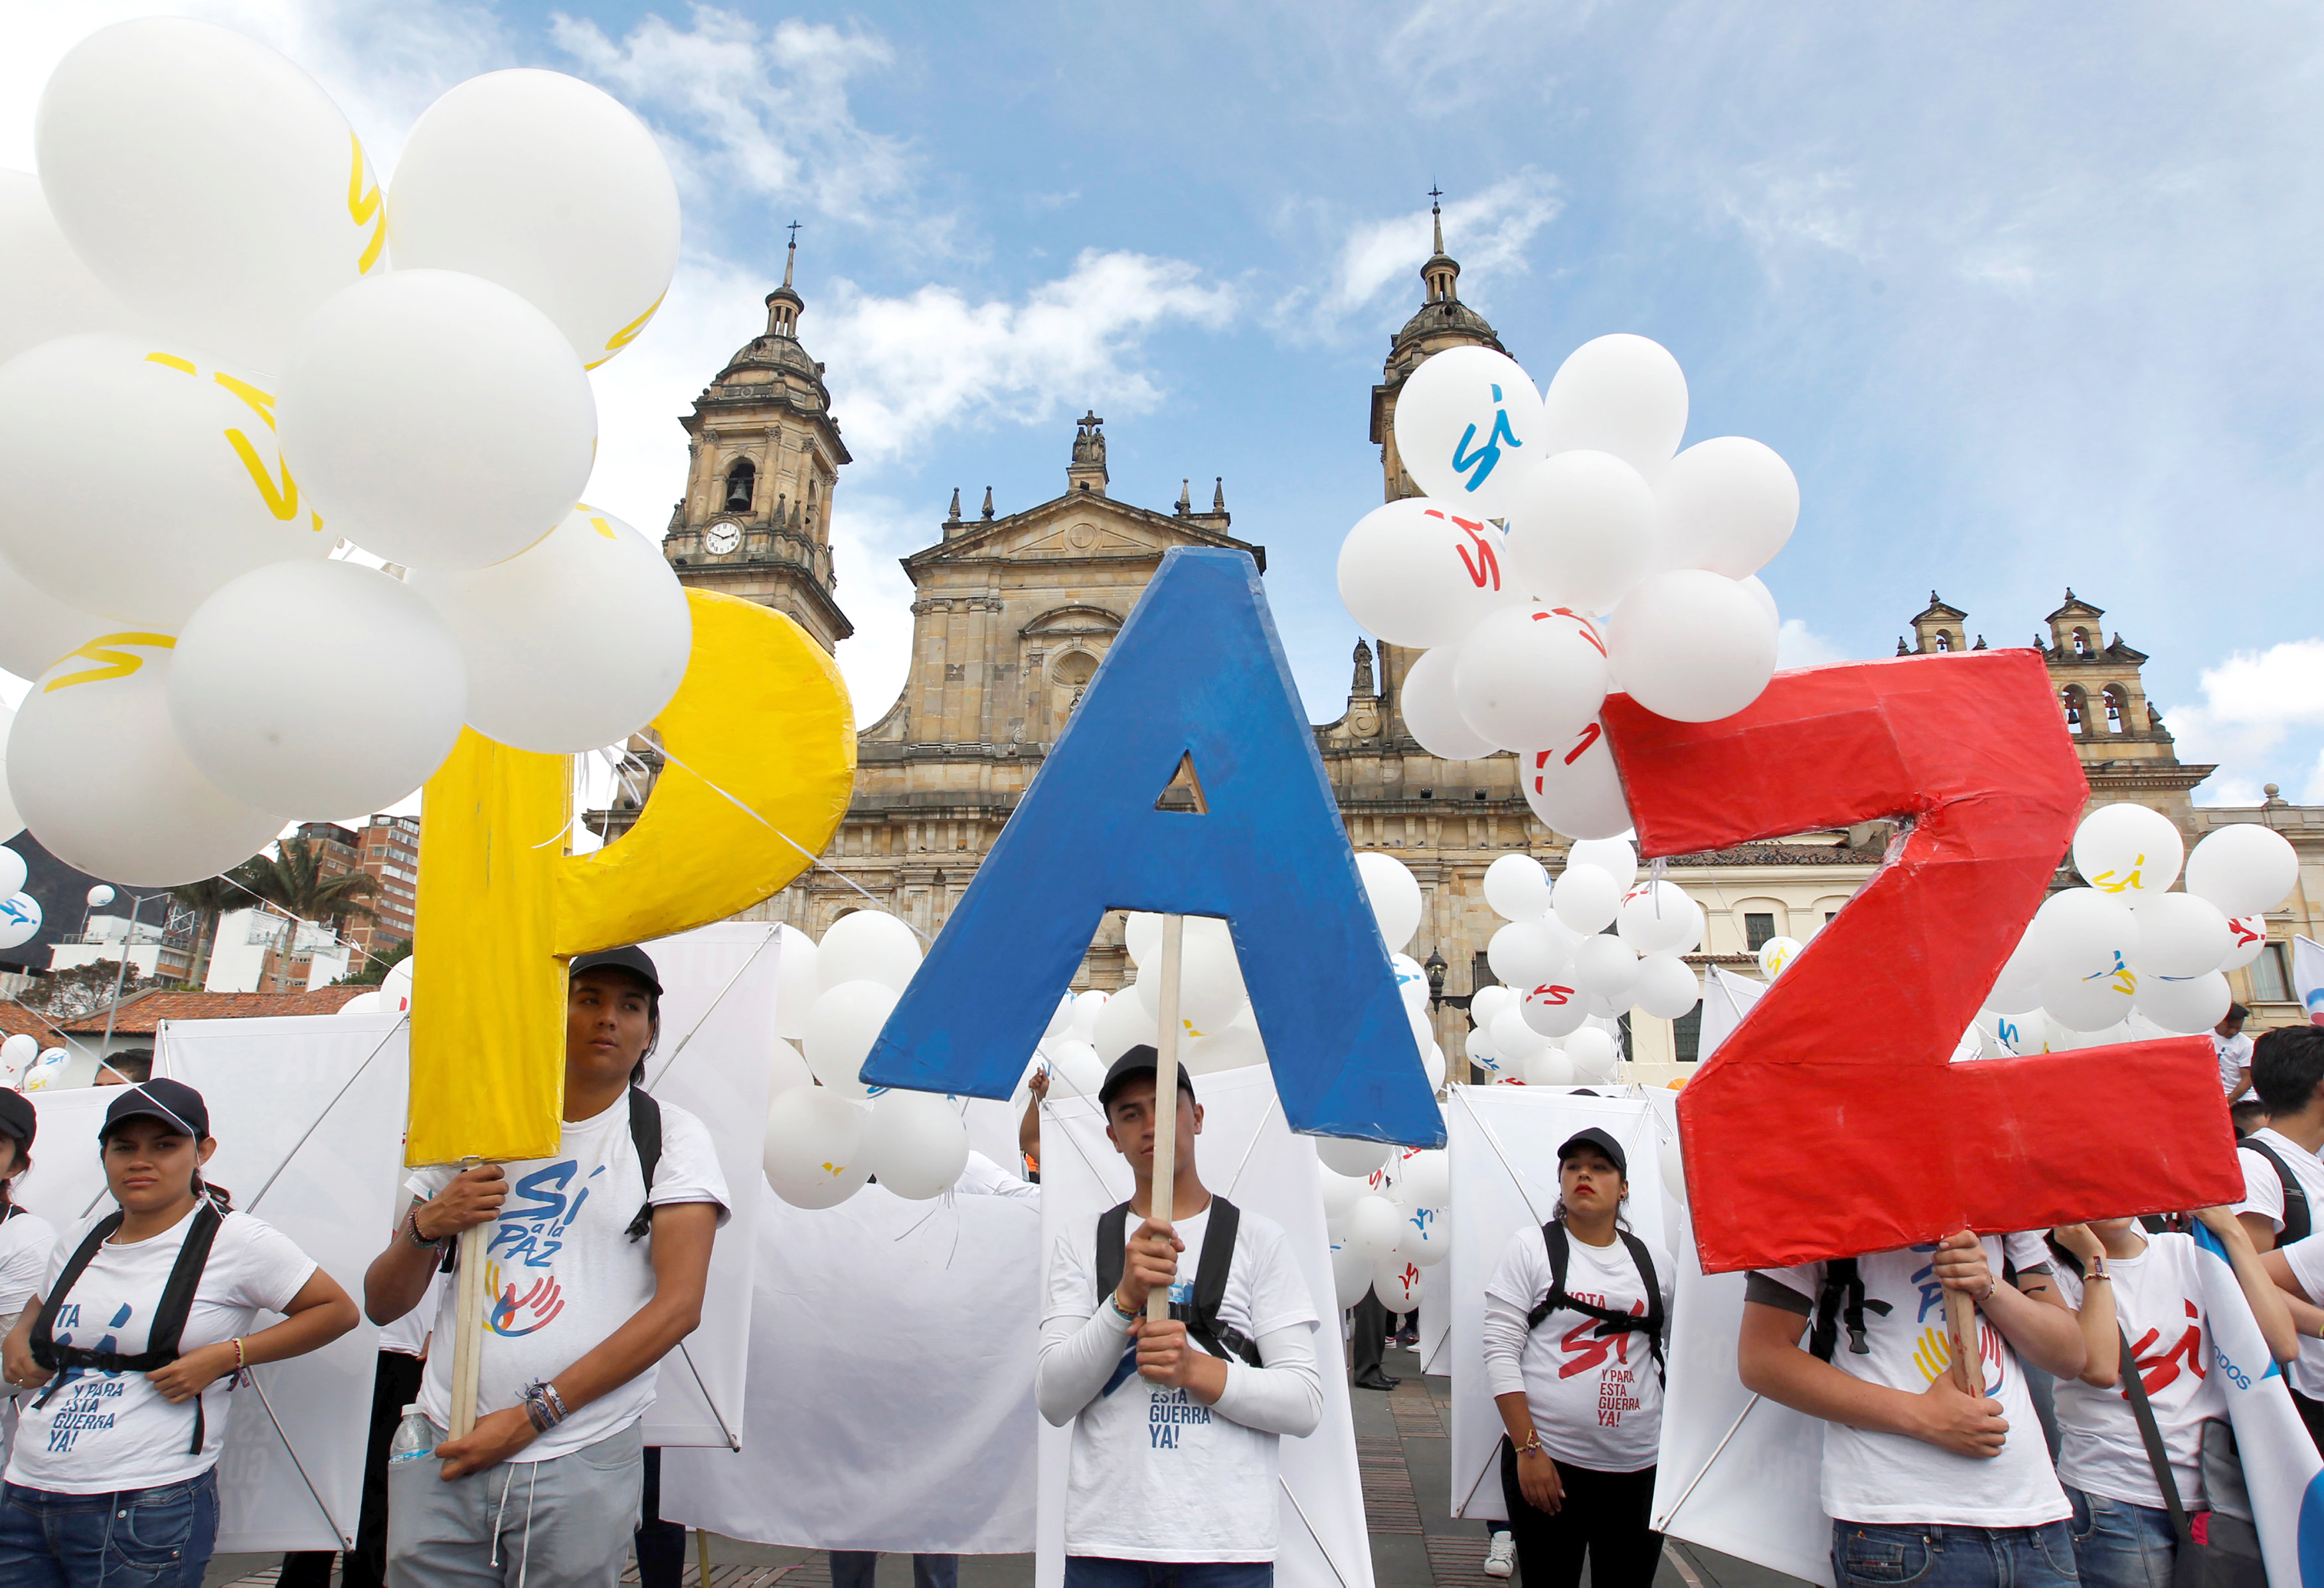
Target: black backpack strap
x=1112, y=1245
x=645, y=1135
x=1645, y=1260
x=2297, y=1220
x=2157, y=1456
x=1560, y=1252
x=169, y=1327
x=1202, y=1318
x=1841, y=1303
x=43, y=1343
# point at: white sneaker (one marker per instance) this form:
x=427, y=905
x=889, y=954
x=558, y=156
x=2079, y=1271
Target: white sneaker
x=1501, y=1559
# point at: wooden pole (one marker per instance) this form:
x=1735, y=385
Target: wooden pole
x=702, y=1557
x=1960, y=1325
x=1166, y=1101
x=467, y=1328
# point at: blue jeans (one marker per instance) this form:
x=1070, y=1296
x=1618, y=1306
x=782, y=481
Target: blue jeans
x=1095, y=1571
x=135, y=1538
x=2118, y=1544
x=1875, y=1554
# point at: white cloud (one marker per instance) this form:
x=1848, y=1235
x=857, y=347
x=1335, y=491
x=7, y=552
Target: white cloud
x=1487, y=232
x=1797, y=645
x=903, y=367
x=2252, y=703
x=761, y=112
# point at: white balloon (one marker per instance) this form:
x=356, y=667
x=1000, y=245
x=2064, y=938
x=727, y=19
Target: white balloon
x=789, y=1069
x=1575, y=788
x=1087, y=1006
x=1395, y=895
x=2184, y=1005
x=1467, y=424
x=1416, y=573
x=2249, y=935
x=1617, y=856
x=1373, y=1226
x=1074, y=1069
x=45, y=291
x=1397, y=1278
x=1411, y=981
x=815, y=1137
x=1233, y=1049
x=1344, y=1154
x=395, y=986
x=1427, y=1238
x=1764, y=597
x=364, y=1004
x=867, y=946
x=579, y=641
x=914, y=1143
x=1340, y=1194
x=2128, y=851
x=18, y=1053
x=1556, y=1007
x=280, y=736
x=1060, y=1020
x=1432, y=1065
x=1352, y=1276
x=1121, y=1025
x=1530, y=675
x=1477, y=1048
x=1142, y=934
x=1426, y=1181
x=1596, y=1059
x=2180, y=936
x=1778, y=952
x=1691, y=646
x=796, y=983
x=1667, y=986
x=550, y=187
x=20, y=917
x=1607, y=966
x=437, y=420
x=1523, y=955
x=211, y=183
x=1586, y=898
x=1726, y=505
x=1515, y=1038
x=1622, y=394
x=2246, y=868
x=2018, y=1034
x=1210, y=977
x=1489, y=1001
x=1581, y=531
x=1658, y=918
x=101, y=779
x=12, y=873
x=1549, y=1068
x=2017, y=989
x=1517, y=888
x=840, y=1032
x=140, y=534
x=1432, y=713
x=2080, y=932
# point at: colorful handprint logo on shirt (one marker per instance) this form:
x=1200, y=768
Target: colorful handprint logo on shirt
x=512, y=1314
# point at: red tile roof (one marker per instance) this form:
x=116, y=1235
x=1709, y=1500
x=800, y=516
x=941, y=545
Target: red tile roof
x=15, y=1019
x=142, y=1014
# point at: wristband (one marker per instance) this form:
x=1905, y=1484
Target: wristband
x=543, y=1406
x=411, y=1232
x=241, y=1362
x=1531, y=1446
x=1113, y=1300
x=2097, y=1271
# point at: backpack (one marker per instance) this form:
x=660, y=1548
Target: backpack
x=168, y=1318
x=1202, y=1316
x=2296, y=1219
x=1609, y=1322
x=1841, y=1303
x=645, y=1135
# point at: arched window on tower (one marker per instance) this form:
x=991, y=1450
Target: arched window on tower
x=741, y=483
x=2081, y=642
x=2118, y=707
x=2077, y=707
x=1944, y=640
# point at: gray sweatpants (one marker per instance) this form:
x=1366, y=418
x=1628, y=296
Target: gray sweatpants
x=561, y=1523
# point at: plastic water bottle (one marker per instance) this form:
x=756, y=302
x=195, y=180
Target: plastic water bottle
x=414, y=1439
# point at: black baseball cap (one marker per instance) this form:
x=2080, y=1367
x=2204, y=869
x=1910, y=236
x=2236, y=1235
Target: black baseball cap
x=18, y=1119
x=174, y=1102
x=1598, y=1138
x=1140, y=1061
x=629, y=957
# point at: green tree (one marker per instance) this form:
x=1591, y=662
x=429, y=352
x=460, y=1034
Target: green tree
x=292, y=880
x=213, y=897
x=375, y=968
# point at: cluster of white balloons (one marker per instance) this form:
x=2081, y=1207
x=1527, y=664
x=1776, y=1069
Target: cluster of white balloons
x=1386, y=1211
x=20, y=912
x=1565, y=980
x=227, y=349
x=2123, y=956
x=828, y=1133
x=1541, y=514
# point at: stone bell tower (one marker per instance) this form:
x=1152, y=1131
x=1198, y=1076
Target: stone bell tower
x=755, y=520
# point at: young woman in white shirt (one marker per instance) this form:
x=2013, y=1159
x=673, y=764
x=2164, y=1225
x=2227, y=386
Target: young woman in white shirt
x=26, y=1238
x=2143, y=1290
x=1580, y=1386
x=114, y=1477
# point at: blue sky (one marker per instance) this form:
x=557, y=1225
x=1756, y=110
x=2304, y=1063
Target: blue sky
x=2027, y=295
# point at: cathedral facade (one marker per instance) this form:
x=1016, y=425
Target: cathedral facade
x=1013, y=614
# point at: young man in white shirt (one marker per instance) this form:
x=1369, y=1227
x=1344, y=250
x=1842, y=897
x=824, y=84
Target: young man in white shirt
x=1172, y=1475
x=2284, y=1186
x=2235, y=1052
x=595, y=1271
x=1923, y=1483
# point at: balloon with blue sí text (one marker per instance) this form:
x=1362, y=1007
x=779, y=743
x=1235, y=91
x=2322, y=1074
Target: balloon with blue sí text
x=20, y=919
x=209, y=183
x=550, y=187
x=1467, y=425
x=139, y=535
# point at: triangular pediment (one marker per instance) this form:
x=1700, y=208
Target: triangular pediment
x=1079, y=526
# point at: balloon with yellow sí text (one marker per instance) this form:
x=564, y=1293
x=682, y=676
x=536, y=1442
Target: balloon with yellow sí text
x=211, y=184
x=45, y=290
x=282, y=736
x=577, y=642
x=549, y=187
x=440, y=420
x=137, y=476
x=36, y=628
x=97, y=773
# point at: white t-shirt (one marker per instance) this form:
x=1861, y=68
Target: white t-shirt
x=1871, y=1477
x=2234, y=1057
x=1151, y=1463
x=980, y=1177
x=25, y=1242
x=1596, y=1400
x=2157, y=1297
x=2264, y=1194
x=89, y=1433
x=562, y=1271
